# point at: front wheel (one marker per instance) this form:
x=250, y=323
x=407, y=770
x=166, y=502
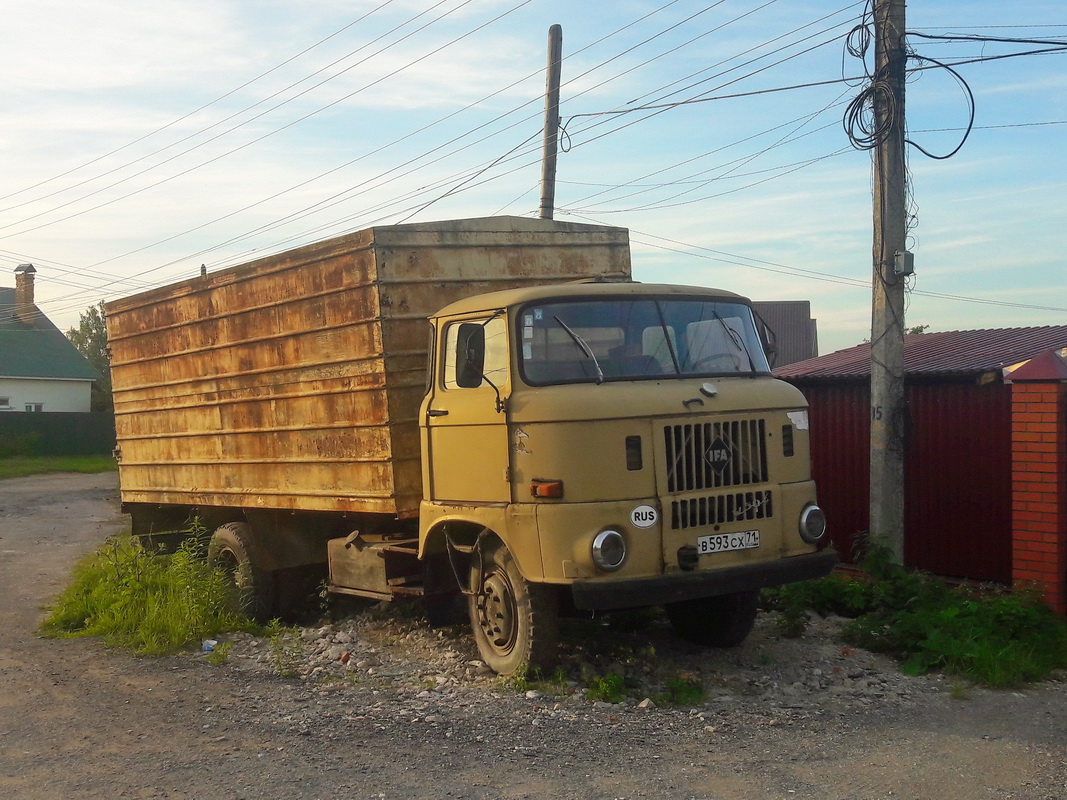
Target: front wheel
x=515, y=623
x=723, y=621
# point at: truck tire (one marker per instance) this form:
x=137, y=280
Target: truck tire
x=515, y=623
x=233, y=550
x=723, y=621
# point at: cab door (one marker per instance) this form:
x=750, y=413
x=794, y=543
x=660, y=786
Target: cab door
x=465, y=414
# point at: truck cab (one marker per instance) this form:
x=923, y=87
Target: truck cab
x=600, y=446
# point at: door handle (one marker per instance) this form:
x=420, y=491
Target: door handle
x=436, y=412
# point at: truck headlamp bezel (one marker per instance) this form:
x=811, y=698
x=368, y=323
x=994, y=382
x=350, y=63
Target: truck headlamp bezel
x=812, y=524
x=608, y=550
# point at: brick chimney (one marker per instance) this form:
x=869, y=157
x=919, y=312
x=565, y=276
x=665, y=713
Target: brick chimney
x=24, y=308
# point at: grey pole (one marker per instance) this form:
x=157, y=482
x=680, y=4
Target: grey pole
x=551, y=141
x=887, y=315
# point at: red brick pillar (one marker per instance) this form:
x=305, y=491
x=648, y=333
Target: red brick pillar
x=1039, y=476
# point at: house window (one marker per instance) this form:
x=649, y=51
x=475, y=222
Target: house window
x=35, y=406
x=5, y=402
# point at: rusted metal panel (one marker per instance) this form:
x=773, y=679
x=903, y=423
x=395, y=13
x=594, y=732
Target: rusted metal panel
x=294, y=381
x=957, y=470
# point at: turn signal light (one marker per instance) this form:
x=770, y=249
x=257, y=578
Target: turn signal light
x=539, y=488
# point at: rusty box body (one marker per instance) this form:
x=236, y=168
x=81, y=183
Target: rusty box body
x=293, y=382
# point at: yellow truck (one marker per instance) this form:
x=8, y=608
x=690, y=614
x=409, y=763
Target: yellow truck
x=488, y=408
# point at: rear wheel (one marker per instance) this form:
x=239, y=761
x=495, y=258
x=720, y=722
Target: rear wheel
x=515, y=623
x=723, y=621
x=233, y=550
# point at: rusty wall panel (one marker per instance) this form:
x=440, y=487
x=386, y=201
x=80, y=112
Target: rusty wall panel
x=957, y=473
x=294, y=381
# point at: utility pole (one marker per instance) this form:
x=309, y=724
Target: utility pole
x=551, y=145
x=891, y=266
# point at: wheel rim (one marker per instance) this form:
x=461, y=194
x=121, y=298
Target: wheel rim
x=230, y=565
x=497, y=611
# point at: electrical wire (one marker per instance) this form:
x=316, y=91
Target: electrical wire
x=196, y=111
x=754, y=48
x=259, y=138
x=593, y=44
x=970, y=104
x=984, y=39
x=497, y=160
x=646, y=40
x=230, y=130
x=707, y=253
x=576, y=79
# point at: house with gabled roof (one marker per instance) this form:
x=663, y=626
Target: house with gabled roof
x=40, y=370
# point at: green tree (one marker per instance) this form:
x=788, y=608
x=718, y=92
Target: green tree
x=90, y=337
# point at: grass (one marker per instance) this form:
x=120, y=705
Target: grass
x=992, y=637
x=286, y=652
x=684, y=690
x=21, y=466
x=146, y=603
x=609, y=689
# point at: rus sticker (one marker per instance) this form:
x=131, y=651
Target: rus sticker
x=644, y=517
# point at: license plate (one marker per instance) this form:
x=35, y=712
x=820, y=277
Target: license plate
x=721, y=542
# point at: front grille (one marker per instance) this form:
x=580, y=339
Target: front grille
x=737, y=507
x=715, y=455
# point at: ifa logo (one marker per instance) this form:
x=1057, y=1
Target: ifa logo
x=718, y=455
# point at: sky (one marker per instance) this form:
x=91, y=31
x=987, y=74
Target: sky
x=139, y=141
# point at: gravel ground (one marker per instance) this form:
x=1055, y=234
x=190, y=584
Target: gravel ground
x=392, y=649
x=373, y=704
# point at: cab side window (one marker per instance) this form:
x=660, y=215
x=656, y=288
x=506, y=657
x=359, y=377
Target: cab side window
x=476, y=354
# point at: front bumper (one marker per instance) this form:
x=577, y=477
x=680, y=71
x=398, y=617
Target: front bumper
x=607, y=594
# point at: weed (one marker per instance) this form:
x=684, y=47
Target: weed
x=220, y=654
x=609, y=689
x=993, y=637
x=286, y=655
x=149, y=604
x=835, y=594
x=682, y=691
x=523, y=679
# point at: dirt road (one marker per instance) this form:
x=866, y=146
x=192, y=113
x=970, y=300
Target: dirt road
x=78, y=721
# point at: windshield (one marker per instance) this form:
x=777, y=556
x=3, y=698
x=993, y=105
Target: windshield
x=601, y=340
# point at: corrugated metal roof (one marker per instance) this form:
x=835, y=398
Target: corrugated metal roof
x=947, y=353
x=37, y=349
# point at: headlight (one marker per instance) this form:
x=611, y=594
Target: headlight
x=812, y=523
x=609, y=550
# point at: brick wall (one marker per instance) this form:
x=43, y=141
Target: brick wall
x=1039, y=485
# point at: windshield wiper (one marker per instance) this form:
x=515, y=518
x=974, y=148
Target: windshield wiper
x=578, y=340
x=738, y=341
x=667, y=338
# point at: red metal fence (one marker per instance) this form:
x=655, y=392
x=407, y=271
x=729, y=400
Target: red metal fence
x=957, y=473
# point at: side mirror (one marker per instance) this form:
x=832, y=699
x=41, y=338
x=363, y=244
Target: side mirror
x=470, y=355
x=768, y=339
